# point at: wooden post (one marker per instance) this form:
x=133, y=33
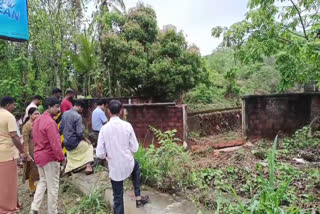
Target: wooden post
x=244, y=118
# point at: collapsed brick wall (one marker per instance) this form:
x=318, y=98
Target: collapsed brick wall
x=215, y=123
x=163, y=116
x=266, y=115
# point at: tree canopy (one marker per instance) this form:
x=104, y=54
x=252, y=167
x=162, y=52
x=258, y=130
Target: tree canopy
x=114, y=54
x=146, y=61
x=287, y=30
x=124, y=53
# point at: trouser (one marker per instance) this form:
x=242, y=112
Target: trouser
x=117, y=187
x=95, y=136
x=49, y=180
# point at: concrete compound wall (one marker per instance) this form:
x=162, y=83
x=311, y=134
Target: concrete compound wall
x=266, y=115
x=163, y=116
x=218, y=121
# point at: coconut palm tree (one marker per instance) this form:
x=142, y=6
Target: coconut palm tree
x=97, y=28
x=85, y=63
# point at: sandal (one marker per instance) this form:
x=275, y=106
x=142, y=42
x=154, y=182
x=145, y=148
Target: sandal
x=143, y=201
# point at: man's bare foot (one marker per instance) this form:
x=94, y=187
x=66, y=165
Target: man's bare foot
x=88, y=170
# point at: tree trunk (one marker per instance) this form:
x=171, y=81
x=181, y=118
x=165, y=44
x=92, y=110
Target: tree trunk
x=56, y=72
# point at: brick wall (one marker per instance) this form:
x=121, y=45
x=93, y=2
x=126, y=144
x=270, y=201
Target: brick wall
x=315, y=107
x=215, y=122
x=91, y=105
x=266, y=115
x=163, y=116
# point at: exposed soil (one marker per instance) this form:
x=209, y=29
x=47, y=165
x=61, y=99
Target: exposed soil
x=68, y=196
x=209, y=151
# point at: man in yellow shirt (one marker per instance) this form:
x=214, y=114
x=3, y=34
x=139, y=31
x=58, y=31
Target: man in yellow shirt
x=10, y=146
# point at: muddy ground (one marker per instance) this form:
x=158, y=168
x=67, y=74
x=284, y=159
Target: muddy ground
x=223, y=150
x=68, y=197
x=231, y=151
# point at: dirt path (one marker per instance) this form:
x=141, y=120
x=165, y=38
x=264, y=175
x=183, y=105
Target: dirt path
x=68, y=196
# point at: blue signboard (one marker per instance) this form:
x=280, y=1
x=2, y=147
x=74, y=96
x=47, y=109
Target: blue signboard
x=14, y=19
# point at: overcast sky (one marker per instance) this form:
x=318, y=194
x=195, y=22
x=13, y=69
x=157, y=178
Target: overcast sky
x=196, y=18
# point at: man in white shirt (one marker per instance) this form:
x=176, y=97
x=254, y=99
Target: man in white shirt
x=36, y=101
x=117, y=142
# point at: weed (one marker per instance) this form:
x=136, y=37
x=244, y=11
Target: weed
x=194, y=134
x=275, y=187
x=165, y=167
x=92, y=203
x=272, y=194
x=99, y=168
x=302, y=139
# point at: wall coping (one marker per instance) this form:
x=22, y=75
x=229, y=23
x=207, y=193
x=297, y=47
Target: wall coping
x=149, y=104
x=281, y=95
x=196, y=113
x=108, y=98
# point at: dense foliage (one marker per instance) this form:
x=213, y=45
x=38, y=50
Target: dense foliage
x=145, y=61
x=276, y=48
x=286, y=30
x=37, y=66
x=229, y=82
x=112, y=54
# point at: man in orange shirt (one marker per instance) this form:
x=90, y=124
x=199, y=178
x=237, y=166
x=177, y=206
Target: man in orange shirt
x=10, y=146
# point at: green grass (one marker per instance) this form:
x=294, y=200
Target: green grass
x=92, y=203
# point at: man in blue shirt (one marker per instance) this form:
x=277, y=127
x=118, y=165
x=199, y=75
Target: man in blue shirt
x=99, y=118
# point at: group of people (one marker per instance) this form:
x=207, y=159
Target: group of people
x=55, y=140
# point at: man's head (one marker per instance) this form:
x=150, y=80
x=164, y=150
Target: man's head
x=79, y=106
x=115, y=108
x=37, y=100
x=53, y=106
x=102, y=104
x=56, y=92
x=70, y=94
x=8, y=103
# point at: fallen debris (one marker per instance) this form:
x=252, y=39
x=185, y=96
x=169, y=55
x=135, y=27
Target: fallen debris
x=227, y=144
x=300, y=160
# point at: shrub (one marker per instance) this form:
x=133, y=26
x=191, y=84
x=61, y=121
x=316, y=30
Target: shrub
x=302, y=139
x=92, y=203
x=166, y=167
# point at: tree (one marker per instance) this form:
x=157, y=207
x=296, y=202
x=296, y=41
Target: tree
x=98, y=28
x=286, y=30
x=86, y=63
x=147, y=62
x=42, y=63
